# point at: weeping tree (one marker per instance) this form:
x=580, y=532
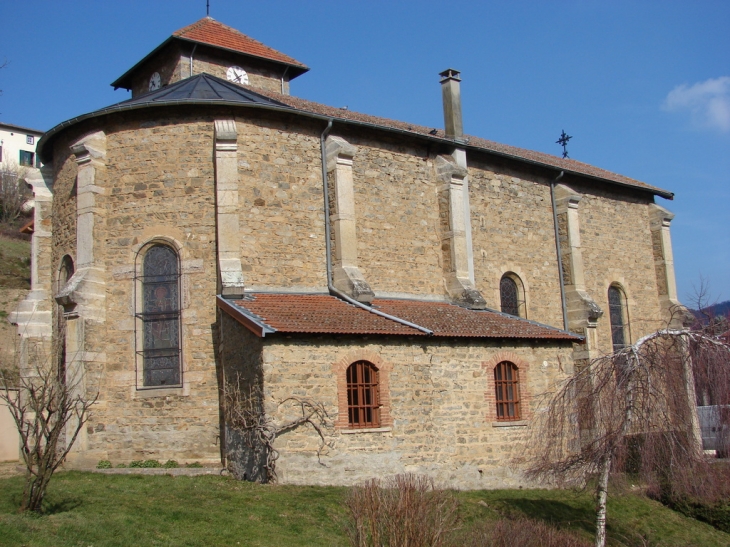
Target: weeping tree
x=49, y=406
x=635, y=411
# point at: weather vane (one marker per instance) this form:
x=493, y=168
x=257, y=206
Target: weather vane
x=563, y=140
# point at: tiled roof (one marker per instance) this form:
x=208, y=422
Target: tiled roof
x=567, y=165
x=211, y=32
x=266, y=313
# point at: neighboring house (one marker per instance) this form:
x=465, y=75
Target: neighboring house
x=423, y=285
x=18, y=146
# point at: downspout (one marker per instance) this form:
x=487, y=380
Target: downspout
x=328, y=244
x=557, y=246
x=191, y=59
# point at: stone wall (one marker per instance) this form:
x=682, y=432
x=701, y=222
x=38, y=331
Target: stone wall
x=397, y=215
x=161, y=189
x=617, y=248
x=512, y=231
x=281, y=213
x=441, y=404
x=260, y=73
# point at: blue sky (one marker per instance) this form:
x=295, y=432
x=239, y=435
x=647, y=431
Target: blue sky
x=643, y=87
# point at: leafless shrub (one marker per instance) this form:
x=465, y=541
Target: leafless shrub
x=406, y=510
x=251, y=433
x=521, y=532
x=631, y=411
x=49, y=412
x=13, y=193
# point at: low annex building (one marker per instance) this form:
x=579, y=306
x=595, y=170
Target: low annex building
x=214, y=234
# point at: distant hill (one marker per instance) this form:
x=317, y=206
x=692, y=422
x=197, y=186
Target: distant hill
x=717, y=310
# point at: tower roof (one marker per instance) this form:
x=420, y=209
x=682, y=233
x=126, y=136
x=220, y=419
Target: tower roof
x=209, y=32
x=213, y=33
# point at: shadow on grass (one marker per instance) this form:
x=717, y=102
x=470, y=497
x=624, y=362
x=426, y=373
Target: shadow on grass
x=53, y=507
x=553, y=512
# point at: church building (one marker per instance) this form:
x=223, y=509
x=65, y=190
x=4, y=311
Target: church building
x=366, y=296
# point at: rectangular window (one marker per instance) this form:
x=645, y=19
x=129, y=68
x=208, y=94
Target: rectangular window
x=27, y=158
x=29, y=139
x=1, y=154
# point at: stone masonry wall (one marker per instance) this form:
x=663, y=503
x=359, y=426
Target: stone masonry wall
x=617, y=248
x=441, y=399
x=160, y=188
x=281, y=205
x=512, y=231
x=260, y=74
x=397, y=210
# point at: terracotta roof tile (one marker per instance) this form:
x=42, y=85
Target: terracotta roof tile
x=325, y=314
x=211, y=32
x=549, y=160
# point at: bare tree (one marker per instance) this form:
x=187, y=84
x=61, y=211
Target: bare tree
x=250, y=434
x=49, y=411
x=13, y=192
x=632, y=410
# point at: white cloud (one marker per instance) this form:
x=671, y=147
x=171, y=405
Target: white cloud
x=708, y=102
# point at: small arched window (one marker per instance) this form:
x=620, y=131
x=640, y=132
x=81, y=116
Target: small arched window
x=363, y=395
x=511, y=296
x=159, y=317
x=618, y=317
x=507, y=391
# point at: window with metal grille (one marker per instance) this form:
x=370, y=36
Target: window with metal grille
x=159, y=317
x=507, y=390
x=510, y=297
x=363, y=395
x=617, y=316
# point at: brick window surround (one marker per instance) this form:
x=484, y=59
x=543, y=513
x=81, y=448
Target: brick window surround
x=490, y=395
x=339, y=369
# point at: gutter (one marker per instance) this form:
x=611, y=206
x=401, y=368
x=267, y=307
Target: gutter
x=559, y=251
x=328, y=244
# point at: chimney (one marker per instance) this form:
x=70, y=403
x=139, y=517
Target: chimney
x=451, y=92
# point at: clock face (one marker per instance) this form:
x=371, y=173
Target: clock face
x=155, y=81
x=237, y=75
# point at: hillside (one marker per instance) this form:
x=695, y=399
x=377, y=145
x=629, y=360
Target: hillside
x=14, y=285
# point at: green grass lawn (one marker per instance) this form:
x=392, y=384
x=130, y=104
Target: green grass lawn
x=87, y=509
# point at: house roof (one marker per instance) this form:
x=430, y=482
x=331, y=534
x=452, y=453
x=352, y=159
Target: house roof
x=209, y=32
x=268, y=313
x=13, y=127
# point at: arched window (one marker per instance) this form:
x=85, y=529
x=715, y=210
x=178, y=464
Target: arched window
x=511, y=296
x=507, y=391
x=618, y=317
x=363, y=395
x=159, y=317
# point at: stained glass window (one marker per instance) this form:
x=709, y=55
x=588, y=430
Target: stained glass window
x=616, y=315
x=363, y=401
x=509, y=294
x=160, y=317
x=507, y=391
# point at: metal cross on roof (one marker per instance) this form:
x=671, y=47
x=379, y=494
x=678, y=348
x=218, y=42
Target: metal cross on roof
x=563, y=140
